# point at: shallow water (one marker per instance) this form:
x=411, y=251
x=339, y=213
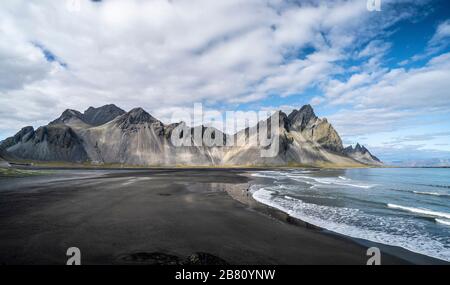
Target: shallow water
x=406, y=207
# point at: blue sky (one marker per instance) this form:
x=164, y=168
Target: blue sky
x=428, y=134
x=381, y=78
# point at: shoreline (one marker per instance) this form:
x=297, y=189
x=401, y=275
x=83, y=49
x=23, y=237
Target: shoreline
x=115, y=218
x=106, y=166
x=390, y=250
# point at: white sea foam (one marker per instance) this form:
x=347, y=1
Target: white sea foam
x=290, y=198
x=431, y=193
x=315, y=181
x=444, y=222
x=394, y=231
x=258, y=175
x=268, y=174
x=420, y=211
x=290, y=193
x=320, y=181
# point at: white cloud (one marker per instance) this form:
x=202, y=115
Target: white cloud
x=164, y=55
x=354, y=122
x=442, y=34
x=374, y=48
x=424, y=87
x=387, y=100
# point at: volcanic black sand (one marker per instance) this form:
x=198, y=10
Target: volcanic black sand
x=179, y=216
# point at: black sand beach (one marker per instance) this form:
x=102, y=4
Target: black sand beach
x=159, y=217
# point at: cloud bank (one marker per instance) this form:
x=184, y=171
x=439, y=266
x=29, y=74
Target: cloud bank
x=166, y=55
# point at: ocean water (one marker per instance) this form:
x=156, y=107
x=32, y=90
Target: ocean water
x=406, y=207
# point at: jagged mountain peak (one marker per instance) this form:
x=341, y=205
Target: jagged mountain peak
x=25, y=130
x=107, y=106
x=67, y=116
x=110, y=108
x=307, y=109
x=101, y=115
x=134, y=117
x=23, y=135
x=71, y=112
x=137, y=138
x=140, y=114
x=361, y=154
x=358, y=148
x=300, y=118
x=91, y=117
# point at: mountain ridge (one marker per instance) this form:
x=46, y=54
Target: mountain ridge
x=91, y=116
x=361, y=154
x=110, y=135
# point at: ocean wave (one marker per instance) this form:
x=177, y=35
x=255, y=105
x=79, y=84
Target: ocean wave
x=444, y=222
x=263, y=175
x=420, y=211
x=436, y=185
x=290, y=198
x=277, y=175
x=339, y=182
x=431, y=193
x=300, y=176
x=395, y=231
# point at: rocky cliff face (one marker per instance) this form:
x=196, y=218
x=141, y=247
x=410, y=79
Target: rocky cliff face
x=362, y=154
x=3, y=163
x=315, y=129
x=48, y=143
x=91, y=117
x=102, y=115
x=2, y=154
x=23, y=134
x=132, y=138
x=109, y=135
x=303, y=139
x=71, y=118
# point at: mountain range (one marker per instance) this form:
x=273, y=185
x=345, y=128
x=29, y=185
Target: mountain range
x=109, y=135
x=362, y=154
